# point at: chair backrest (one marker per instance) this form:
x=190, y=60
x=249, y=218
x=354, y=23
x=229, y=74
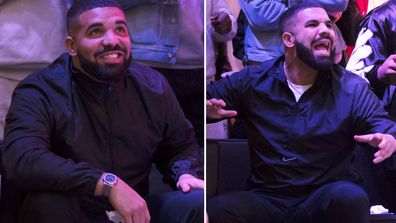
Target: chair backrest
x=227, y=165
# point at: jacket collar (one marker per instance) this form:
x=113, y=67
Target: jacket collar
x=101, y=90
x=277, y=71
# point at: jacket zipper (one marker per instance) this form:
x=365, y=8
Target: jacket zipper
x=110, y=125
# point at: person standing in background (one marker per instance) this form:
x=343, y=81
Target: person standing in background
x=220, y=27
x=31, y=37
x=169, y=37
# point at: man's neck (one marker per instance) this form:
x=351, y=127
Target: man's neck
x=298, y=72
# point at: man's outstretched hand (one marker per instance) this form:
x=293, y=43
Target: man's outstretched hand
x=385, y=143
x=214, y=109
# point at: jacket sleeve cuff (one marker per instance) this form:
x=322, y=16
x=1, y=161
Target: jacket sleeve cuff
x=377, y=85
x=185, y=167
x=93, y=180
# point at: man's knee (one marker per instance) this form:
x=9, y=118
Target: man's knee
x=242, y=206
x=349, y=202
x=50, y=207
x=177, y=206
x=348, y=194
x=218, y=209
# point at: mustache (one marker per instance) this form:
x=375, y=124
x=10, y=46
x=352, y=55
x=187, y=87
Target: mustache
x=321, y=38
x=110, y=48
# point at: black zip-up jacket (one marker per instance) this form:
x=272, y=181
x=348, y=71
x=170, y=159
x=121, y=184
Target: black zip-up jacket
x=299, y=146
x=63, y=130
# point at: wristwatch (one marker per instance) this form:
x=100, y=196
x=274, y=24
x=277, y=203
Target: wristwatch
x=109, y=180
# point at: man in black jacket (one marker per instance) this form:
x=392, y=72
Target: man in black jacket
x=303, y=114
x=81, y=135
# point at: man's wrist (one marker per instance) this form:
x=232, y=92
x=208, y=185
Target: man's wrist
x=105, y=184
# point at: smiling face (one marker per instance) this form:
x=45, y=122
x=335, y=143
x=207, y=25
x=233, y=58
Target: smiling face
x=312, y=37
x=99, y=43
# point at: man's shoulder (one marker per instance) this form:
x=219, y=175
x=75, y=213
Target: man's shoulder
x=348, y=78
x=53, y=73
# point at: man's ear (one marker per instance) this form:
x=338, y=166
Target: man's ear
x=288, y=39
x=70, y=46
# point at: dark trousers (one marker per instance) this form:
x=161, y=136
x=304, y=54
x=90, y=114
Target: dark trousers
x=188, y=86
x=168, y=207
x=334, y=202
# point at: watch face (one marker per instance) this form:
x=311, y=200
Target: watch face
x=110, y=178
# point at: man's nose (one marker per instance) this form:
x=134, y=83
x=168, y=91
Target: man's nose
x=324, y=30
x=110, y=38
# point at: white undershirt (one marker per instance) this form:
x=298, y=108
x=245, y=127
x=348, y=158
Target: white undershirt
x=298, y=90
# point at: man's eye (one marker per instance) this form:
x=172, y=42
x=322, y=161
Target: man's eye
x=311, y=25
x=120, y=29
x=94, y=32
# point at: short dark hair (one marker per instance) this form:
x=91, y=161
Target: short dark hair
x=81, y=6
x=290, y=13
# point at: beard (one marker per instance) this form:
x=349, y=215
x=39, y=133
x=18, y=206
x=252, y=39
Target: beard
x=316, y=62
x=105, y=72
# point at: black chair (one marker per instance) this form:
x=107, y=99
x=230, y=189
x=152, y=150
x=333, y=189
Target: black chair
x=227, y=165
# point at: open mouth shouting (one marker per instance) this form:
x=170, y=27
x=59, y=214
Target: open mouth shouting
x=322, y=47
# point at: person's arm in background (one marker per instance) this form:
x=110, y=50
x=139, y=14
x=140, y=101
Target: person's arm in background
x=223, y=22
x=371, y=58
x=263, y=15
x=334, y=7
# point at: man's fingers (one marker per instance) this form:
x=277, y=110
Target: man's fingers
x=384, y=142
x=378, y=157
x=214, y=108
x=383, y=153
x=147, y=216
x=371, y=139
x=228, y=113
x=363, y=138
x=215, y=102
x=136, y=218
x=197, y=184
x=184, y=187
x=127, y=219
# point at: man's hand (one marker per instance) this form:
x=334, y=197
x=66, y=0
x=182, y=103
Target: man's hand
x=384, y=142
x=221, y=23
x=187, y=182
x=129, y=204
x=387, y=71
x=214, y=109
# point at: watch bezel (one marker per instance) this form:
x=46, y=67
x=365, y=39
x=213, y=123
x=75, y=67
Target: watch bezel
x=109, y=180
